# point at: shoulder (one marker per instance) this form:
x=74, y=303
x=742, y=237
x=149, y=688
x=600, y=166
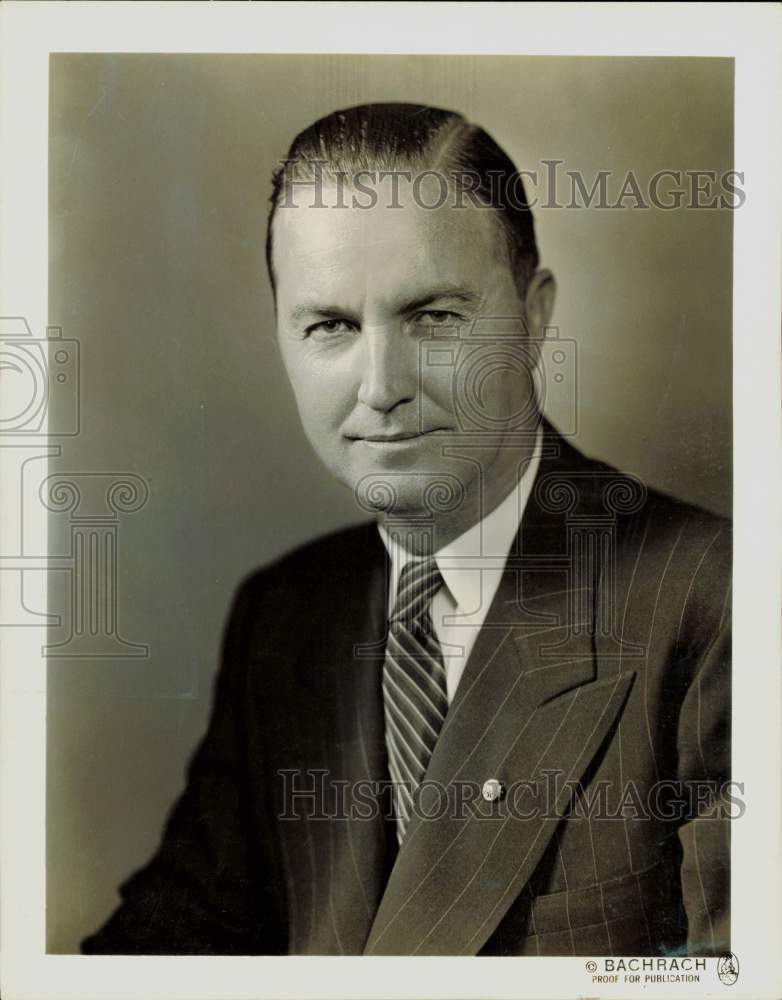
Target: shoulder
x=662, y=518
x=634, y=506
x=677, y=558
x=590, y=488
x=667, y=552
x=683, y=533
x=311, y=575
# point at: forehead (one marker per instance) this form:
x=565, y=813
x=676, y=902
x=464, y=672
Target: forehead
x=383, y=248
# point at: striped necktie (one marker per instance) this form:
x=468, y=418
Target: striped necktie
x=414, y=692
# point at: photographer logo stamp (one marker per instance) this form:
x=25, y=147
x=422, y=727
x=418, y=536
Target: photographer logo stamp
x=728, y=969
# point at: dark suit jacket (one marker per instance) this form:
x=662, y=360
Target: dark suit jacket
x=597, y=692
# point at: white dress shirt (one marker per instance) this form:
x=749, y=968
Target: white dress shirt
x=471, y=567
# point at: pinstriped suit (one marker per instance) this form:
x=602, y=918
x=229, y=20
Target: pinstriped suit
x=597, y=692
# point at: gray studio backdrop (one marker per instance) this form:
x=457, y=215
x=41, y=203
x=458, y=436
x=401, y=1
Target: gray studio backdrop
x=160, y=170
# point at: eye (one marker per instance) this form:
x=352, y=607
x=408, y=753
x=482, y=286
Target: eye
x=327, y=328
x=438, y=317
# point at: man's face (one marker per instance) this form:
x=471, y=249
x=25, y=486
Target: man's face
x=376, y=310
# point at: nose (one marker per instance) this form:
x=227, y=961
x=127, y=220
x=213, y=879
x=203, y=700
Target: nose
x=389, y=373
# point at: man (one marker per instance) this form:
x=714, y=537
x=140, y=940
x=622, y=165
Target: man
x=497, y=722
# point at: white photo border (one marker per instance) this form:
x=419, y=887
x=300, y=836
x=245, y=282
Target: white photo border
x=748, y=33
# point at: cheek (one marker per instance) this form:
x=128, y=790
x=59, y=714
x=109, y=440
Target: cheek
x=478, y=382
x=322, y=392
x=437, y=385
x=508, y=396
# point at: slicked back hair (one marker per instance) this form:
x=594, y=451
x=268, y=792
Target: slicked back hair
x=416, y=138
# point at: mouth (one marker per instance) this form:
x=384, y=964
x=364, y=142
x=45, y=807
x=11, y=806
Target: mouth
x=398, y=439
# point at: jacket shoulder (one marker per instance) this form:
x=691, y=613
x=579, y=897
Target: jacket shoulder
x=673, y=523
x=302, y=585
x=329, y=557
x=675, y=554
x=679, y=555
x=631, y=501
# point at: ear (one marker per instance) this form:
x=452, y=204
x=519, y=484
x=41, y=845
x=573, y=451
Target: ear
x=539, y=302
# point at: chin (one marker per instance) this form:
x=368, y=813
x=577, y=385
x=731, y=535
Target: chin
x=404, y=493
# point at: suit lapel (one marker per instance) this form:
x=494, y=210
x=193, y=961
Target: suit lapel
x=529, y=712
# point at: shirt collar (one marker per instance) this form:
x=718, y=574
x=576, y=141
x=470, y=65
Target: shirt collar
x=477, y=557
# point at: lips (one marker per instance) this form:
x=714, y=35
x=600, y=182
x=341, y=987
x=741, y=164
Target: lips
x=395, y=436
x=391, y=437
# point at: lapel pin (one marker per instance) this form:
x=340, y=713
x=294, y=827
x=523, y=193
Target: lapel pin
x=493, y=789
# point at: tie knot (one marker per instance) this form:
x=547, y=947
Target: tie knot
x=419, y=581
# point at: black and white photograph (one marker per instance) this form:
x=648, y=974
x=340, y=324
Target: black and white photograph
x=381, y=510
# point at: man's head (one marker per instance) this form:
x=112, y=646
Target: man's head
x=403, y=258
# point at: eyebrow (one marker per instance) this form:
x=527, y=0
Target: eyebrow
x=451, y=292
x=326, y=312
x=456, y=294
